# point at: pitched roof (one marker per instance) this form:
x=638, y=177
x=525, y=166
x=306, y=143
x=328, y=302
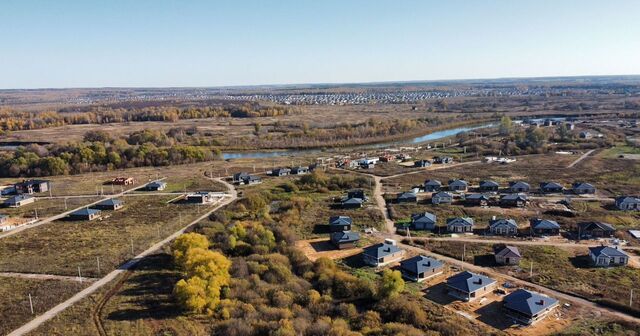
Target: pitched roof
x=345, y=237
x=420, y=264
x=477, y=197
x=596, y=225
x=442, y=194
x=551, y=185
x=508, y=251
x=340, y=220
x=85, y=212
x=352, y=200
x=433, y=183
x=407, y=194
x=381, y=250
x=17, y=198
x=606, y=251
x=546, y=224
x=519, y=184
x=156, y=184
x=626, y=199
x=469, y=282
x=458, y=183
x=514, y=197
x=464, y=221
x=583, y=185
x=502, y=222
x=488, y=183
x=528, y=302
x=423, y=217
x=110, y=202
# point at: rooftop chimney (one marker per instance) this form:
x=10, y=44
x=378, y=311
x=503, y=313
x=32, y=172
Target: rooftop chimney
x=541, y=302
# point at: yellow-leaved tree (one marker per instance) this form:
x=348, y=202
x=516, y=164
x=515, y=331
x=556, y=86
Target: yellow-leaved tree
x=206, y=274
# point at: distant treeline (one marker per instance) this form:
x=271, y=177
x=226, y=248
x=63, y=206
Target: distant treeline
x=100, y=152
x=12, y=120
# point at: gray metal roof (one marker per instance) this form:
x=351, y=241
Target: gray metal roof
x=408, y=194
x=595, y=225
x=469, y=282
x=545, y=224
x=340, y=220
x=606, y=251
x=353, y=200
x=477, y=197
x=502, y=222
x=110, y=202
x=583, y=185
x=17, y=198
x=528, y=302
x=381, y=250
x=85, y=212
x=488, y=183
x=514, y=197
x=508, y=251
x=423, y=217
x=433, y=183
x=464, y=221
x=421, y=264
x=345, y=237
x=442, y=194
x=461, y=183
x=519, y=184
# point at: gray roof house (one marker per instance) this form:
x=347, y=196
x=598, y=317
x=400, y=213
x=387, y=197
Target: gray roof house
x=477, y=199
x=442, y=159
x=352, y=203
x=281, y=172
x=605, y=256
x=432, y=185
x=340, y=223
x=551, y=187
x=299, y=170
x=344, y=239
x=628, y=203
x=460, y=224
x=109, y=204
x=458, y=185
x=420, y=268
x=581, y=188
x=519, y=187
x=423, y=221
x=595, y=230
x=156, y=186
x=442, y=197
x=507, y=255
x=528, y=307
x=382, y=254
x=503, y=227
x=407, y=197
x=422, y=163
x=357, y=193
x=468, y=286
x=488, y=185
x=544, y=227
x=514, y=200
x=18, y=201
x=31, y=186
x=238, y=177
x=85, y=214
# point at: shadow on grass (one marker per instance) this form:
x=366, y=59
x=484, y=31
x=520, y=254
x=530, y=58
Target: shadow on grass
x=581, y=261
x=355, y=261
x=491, y=314
x=485, y=260
x=438, y=294
x=149, y=291
x=321, y=229
x=322, y=246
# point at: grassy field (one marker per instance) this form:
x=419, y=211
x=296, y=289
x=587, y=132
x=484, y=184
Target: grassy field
x=563, y=269
x=48, y=207
x=63, y=246
x=14, y=306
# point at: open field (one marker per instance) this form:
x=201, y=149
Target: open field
x=14, y=306
x=63, y=246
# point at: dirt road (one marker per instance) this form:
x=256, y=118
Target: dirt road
x=33, y=324
x=38, y=276
x=584, y=156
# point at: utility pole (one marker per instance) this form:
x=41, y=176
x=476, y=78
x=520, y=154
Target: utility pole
x=79, y=275
x=98, y=260
x=65, y=203
x=31, y=304
x=531, y=270
x=36, y=210
x=464, y=250
x=631, y=298
x=132, y=253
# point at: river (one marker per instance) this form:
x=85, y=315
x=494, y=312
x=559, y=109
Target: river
x=412, y=141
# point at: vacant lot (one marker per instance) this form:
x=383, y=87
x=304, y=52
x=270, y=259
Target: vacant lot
x=14, y=306
x=63, y=246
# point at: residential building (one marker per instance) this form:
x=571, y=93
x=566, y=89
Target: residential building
x=514, y=200
x=519, y=187
x=441, y=197
x=458, y=185
x=357, y=193
x=551, y=188
x=528, y=307
x=340, y=223
x=460, y=225
x=544, y=227
x=442, y=159
x=109, y=204
x=352, y=203
x=582, y=188
x=281, y=172
x=489, y=186
x=123, y=180
x=421, y=268
x=18, y=201
x=31, y=186
x=156, y=186
x=432, y=185
x=507, y=255
x=627, y=203
x=477, y=199
x=344, y=239
x=200, y=197
x=587, y=230
x=605, y=256
x=468, y=286
x=382, y=254
x=85, y=214
x=299, y=170
x=423, y=221
x=503, y=227
x=407, y=197
x=422, y=163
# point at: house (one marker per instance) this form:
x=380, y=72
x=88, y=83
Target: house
x=423, y=221
x=432, y=185
x=628, y=203
x=581, y=188
x=250, y=180
x=442, y=159
x=357, y=193
x=551, y=188
x=387, y=158
x=240, y=177
x=528, y=307
x=352, y=203
x=514, y=200
x=420, y=268
x=519, y=187
x=109, y=204
x=585, y=135
x=300, y=170
x=595, y=230
x=544, y=227
x=31, y=186
x=503, y=227
x=605, y=256
x=489, y=186
x=468, y=286
x=5, y=224
x=407, y=197
x=340, y=223
x=3, y=219
x=460, y=224
x=85, y=214
x=458, y=185
x=281, y=172
x=7, y=190
x=200, y=197
x=382, y=254
x=156, y=186
x=123, y=181
x=344, y=239
x=477, y=199
x=422, y=163
x=18, y=201
x=441, y=197
x=507, y=255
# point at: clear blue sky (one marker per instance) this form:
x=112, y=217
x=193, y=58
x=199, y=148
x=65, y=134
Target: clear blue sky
x=86, y=43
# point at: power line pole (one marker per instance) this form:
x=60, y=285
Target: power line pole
x=31, y=304
x=464, y=251
x=531, y=270
x=79, y=275
x=98, y=260
x=132, y=253
x=631, y=298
